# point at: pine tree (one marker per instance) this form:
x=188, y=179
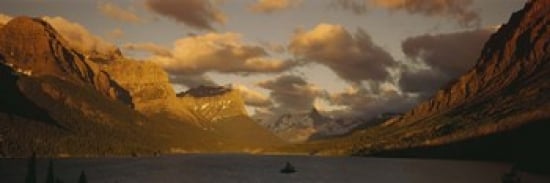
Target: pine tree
x=82, y=178
x=31, y=170
x=50, y=178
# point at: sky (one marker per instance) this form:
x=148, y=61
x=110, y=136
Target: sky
x=343, y=57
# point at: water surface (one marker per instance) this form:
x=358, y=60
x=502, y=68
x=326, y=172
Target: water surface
x=197, y=168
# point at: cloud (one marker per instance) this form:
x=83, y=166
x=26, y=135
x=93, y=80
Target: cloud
x=291, y=93
x=452, y=53
x=270, y=6
x=152, y=48
x=113, y=11
x=459, y=10
x=192, y=81
x=356, y=6
x=4, y=19
x=354, y=58
x=223, y=53
x=446, y=55
x=253, y=98
x=424, y=82
x=200, y=14
x=116, y=33
x=80, y=38
x=359, y=101
x=77, y=36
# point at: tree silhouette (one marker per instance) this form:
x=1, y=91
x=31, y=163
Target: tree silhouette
x=50, y=178
x=31, y=170
x=82, y=178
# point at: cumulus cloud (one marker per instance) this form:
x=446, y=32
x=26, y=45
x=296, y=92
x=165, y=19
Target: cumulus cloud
x=292, y=93
x=152, y=48
x=199, y=14
x=80, y=38
x=459, y=10
x=354, y=58
x=270, y=6
x=446, y=55
x=114, y=11
x=224, y=53
x=253, y=98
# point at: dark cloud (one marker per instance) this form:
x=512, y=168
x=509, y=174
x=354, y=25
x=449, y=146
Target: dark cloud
x=291, y=93
x=460, y=10
x=357, y=7
x=446, y=55
x=424, y=82
x=362, y=102
x=200, y=14
x=192, y=81
x=354, y=58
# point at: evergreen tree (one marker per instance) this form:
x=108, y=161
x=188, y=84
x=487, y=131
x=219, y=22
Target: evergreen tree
x=31, y=170
x=82, y=178
x=50, y=178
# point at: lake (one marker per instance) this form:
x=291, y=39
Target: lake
x=198, y=168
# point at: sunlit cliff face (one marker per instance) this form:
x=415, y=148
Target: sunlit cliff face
x=393, y=53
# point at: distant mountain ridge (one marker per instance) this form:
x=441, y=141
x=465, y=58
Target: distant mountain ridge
x=312, y=125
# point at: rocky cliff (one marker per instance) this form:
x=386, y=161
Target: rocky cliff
x=144, y=80
x=49, y=55
x=212, y=103
x=153, y=95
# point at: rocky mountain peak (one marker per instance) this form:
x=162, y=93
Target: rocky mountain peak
x=33, y=47
x=213, y=103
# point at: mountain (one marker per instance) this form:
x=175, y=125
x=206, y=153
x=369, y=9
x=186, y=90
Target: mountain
x=348, y=125
x=312, y=125
x=58, y=101
x=150, y=89
x=221, y=110
x=213, y=103
x=49, y=55
x=208, y=108
x=498, y=110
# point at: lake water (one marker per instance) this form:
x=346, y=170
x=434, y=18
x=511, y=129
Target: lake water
x=248, y=168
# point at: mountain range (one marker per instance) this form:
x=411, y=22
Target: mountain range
x=58, y=101
x=301, y=127
x=498, y=110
